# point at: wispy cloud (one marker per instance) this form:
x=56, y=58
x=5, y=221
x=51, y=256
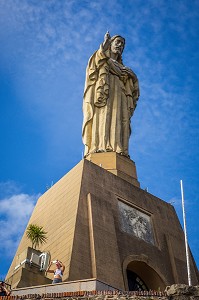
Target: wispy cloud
x=8, y=189
x=15, y=211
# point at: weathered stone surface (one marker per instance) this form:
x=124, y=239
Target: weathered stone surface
x=174, y=292
x=182, y=292
x=96, y=295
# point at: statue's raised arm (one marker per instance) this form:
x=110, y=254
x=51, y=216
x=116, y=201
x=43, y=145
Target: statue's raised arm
x=110, y=98
x=107, y=41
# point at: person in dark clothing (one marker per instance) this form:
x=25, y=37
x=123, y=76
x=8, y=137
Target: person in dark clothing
x=3, y=289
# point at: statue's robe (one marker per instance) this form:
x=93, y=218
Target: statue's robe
x=109, y=102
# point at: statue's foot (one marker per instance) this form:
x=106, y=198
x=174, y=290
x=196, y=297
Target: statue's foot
x=125, y=154
x=109, y=149
x=100, y=151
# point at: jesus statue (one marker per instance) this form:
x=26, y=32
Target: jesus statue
x=110, y=98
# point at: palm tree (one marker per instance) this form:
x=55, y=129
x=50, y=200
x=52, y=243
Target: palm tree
x=36, y=234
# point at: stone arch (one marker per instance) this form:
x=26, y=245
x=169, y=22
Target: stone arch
x=139, y=264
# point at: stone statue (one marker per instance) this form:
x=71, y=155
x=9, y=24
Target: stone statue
x=110, y=97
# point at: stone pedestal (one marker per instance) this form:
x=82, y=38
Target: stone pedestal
x=104, y=227
x=117, y=164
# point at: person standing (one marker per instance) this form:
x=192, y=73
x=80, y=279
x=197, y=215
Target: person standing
x=58, y=271
x=3, y=290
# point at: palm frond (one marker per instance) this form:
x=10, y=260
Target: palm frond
x=36, y=234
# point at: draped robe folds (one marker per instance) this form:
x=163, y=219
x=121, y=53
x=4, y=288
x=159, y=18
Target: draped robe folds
x=109, y=102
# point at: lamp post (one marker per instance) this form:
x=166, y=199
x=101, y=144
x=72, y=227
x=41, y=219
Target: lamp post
x=185, y=235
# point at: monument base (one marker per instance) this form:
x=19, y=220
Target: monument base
x=103, y=227
x=117, y=164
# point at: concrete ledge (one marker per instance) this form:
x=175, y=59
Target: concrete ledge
x=70, y=286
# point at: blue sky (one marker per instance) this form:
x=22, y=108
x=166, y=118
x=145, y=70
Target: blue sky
x=44, y=49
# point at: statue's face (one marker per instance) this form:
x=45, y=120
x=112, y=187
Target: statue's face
x=117, y=45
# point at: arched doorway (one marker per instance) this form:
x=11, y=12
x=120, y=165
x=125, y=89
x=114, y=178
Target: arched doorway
x=135, y=283
x=140, y=276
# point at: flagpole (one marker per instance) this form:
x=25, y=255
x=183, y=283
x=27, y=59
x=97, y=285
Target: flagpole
x=185, y=235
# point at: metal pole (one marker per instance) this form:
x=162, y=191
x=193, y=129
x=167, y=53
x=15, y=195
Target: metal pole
x=185, y=236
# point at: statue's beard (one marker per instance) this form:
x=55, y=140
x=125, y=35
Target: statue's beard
x=117, y=51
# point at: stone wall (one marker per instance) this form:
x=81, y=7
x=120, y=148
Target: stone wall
x=182, y=292
x=174, y=292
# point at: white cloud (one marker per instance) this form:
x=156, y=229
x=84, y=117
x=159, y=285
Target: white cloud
x=8, y=188
x=15, y=211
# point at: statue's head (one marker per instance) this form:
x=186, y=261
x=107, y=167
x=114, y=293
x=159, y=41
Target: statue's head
x=117, y=44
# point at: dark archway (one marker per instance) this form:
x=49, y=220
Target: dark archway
x=135, y=283
x=140, y=276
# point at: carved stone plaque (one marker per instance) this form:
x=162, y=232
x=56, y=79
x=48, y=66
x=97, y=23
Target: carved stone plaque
x=135, y=222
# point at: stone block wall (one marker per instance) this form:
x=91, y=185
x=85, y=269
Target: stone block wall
x=173, y=292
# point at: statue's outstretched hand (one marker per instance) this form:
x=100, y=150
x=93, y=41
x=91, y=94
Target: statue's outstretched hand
x=107, y=36
x=107, y=40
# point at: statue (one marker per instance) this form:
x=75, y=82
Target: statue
x=110, y=98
